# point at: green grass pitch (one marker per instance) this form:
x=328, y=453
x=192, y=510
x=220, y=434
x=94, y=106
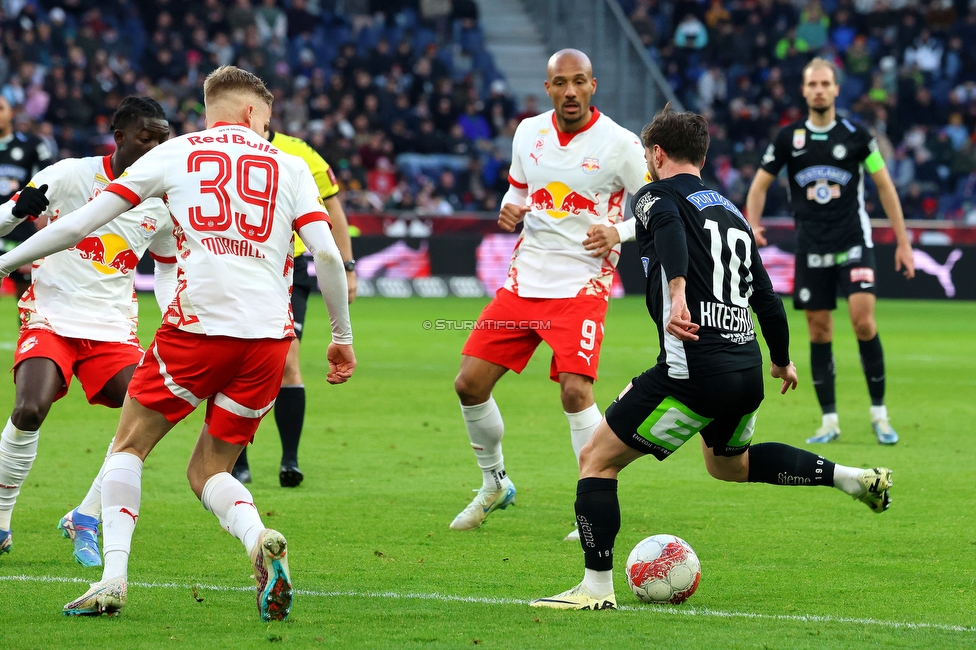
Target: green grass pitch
x=388, y=466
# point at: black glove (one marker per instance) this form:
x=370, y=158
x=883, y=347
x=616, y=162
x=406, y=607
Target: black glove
x=31, y=202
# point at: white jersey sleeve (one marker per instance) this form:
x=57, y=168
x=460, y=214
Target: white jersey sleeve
x=632, y=166
x=145, y=178
x=516, y=174
x=309, y=205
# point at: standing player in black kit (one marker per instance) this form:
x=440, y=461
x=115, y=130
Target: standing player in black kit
x=703, y=273
x=824, y=159
x=21, y=156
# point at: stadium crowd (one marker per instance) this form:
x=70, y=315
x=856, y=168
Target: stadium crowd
x=404, y=101
x=400, y=97
x=906, y=73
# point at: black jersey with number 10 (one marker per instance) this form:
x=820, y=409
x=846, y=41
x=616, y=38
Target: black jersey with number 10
x=724, y=277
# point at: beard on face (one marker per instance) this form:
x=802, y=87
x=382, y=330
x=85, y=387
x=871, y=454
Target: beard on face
x=654, y=175
x=821, y=109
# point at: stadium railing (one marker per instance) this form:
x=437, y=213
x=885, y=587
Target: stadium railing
x=631, y=85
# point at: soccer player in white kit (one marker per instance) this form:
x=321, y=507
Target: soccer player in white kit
x=237, y=202
x=79, y=314
x=571, y=170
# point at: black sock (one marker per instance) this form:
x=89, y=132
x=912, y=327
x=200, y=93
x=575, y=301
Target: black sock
x=598, y=518
x=779, y=464
x=822, y=367
x=241, y=460
x=872, y=360
x=289, y=415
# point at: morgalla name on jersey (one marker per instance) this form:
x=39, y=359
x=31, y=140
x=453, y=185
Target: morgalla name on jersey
x=736, y=322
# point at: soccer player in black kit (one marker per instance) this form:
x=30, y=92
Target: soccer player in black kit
x=703, y=273
x=824, y=159
x=21, y=156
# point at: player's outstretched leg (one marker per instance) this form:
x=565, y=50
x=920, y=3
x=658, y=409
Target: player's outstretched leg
x=18, y=449
x=81, y=524
x=233, y=505
x=779, y=464
x=824, y=376
x=121, y=497
x=598, y=518
x=486, y=429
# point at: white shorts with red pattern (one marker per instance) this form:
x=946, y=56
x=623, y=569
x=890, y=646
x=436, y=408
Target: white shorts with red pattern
x=239, y=379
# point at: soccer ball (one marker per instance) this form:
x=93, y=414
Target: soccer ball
x=663, y=569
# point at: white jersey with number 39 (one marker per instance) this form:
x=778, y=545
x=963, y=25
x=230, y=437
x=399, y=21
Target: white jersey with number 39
x=237, y=202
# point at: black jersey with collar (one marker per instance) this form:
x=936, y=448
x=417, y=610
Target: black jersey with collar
x=686, y=229
x=825, y=170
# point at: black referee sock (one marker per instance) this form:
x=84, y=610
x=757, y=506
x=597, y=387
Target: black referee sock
x=779, y=464
x=241, y=460
x=822, y=368
x=289, y=415
x=872, y=360
x=598, y=518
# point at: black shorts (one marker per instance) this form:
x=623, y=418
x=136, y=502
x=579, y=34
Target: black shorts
x=302, y=286
x=656, y=414
x=821, y=278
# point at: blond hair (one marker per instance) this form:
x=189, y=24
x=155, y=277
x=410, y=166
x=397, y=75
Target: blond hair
x=229, y=79
x=820, y=62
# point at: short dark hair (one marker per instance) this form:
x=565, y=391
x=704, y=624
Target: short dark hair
x=683, y=136
x=134, y=108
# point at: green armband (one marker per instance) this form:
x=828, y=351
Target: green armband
x=874, y=162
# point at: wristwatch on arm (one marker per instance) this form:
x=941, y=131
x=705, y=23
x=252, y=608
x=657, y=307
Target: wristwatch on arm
x=350, y=266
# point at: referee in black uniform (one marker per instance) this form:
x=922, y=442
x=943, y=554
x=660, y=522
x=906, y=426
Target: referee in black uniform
x=21, y=156
x=703, y=274
x=824, y=159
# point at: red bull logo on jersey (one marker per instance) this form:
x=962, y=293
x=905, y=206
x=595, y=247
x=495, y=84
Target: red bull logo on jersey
x=590, y=166
x=558, y=200
x=148, y=226
x=108, y=253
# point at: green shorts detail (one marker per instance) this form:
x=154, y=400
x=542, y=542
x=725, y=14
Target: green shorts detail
x=672, y=424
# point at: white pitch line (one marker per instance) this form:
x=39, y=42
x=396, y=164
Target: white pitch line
x=673, y=611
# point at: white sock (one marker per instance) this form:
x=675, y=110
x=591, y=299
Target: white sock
x=92, y=503
x=121, y=494
x=582, y=425
x=18, y=449
x=598, y=582
x=845, y=480
x=486, y=429
x=879, y=413
x=227, y=498
x=831, y=419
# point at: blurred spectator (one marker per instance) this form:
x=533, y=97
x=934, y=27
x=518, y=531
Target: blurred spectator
x=691, y=33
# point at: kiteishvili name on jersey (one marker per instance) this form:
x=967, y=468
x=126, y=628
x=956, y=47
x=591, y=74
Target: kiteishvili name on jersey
x=735, y=322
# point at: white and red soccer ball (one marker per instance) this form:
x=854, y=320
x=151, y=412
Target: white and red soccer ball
x=663, y=569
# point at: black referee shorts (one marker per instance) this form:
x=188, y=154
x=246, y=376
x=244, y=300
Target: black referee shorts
x=302, y=286
x=656, y=414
